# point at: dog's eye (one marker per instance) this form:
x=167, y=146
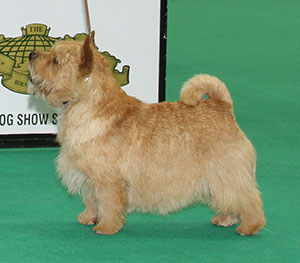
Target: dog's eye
x=54, y=61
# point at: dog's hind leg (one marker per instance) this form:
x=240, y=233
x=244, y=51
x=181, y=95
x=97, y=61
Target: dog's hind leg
x=234, y=190
x=112, y=202
x=234, y=195
x=238, y=202
x=252, y=216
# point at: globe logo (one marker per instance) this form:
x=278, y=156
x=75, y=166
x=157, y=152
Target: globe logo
x=14, y=54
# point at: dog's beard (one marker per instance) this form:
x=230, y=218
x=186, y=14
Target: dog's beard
x=36, y=85
x=30, y=87
x=39, y=87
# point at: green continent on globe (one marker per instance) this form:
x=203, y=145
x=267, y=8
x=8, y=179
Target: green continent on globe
x=14, y=53
x=121, y=77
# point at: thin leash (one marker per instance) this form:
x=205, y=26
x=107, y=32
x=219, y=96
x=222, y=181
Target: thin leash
x=88, y=21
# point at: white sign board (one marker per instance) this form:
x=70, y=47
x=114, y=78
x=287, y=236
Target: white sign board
x=131, y=33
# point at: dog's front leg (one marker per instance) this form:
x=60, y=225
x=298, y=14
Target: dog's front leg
x=112, y=206
x=90, y=215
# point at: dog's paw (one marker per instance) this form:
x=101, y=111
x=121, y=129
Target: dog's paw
x=107, y=229
x=225, y=221
x=87, y=219
x=249, y=230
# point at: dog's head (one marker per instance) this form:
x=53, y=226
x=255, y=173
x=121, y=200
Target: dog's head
x=62, y=74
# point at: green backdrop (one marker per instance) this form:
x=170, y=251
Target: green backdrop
x=254, y=47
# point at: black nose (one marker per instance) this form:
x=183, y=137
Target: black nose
x=32, y=55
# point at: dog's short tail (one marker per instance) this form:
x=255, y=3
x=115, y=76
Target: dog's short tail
x=195, y=88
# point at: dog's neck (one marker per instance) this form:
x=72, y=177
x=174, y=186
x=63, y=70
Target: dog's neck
x=104, y=105
x=102, y=96
x=106, y=94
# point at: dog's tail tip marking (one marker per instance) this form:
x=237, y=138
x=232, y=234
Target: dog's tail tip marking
x=195, y=88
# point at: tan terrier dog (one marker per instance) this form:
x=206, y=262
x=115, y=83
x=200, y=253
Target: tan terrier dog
x=123, y=155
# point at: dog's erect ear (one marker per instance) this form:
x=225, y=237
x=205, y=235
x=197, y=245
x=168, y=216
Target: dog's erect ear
x=86, y=58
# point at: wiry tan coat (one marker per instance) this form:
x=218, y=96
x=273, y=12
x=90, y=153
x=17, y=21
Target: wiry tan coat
x=123, y=155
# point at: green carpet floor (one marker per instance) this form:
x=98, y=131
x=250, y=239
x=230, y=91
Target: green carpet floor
x=254, y=47
x=38, y=223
